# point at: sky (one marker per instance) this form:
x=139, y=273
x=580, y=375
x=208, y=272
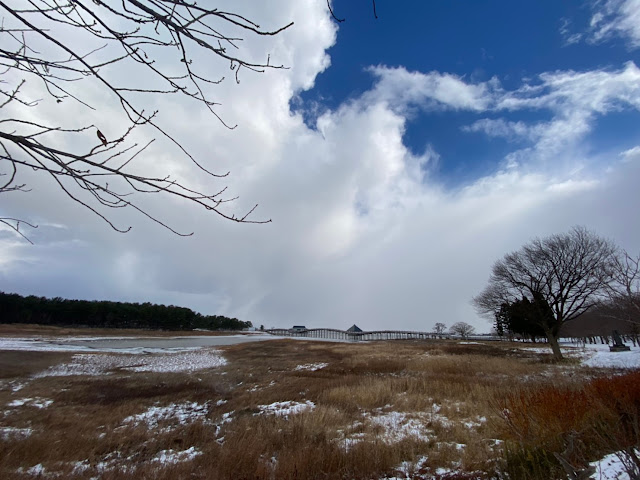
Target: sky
x=398, y=158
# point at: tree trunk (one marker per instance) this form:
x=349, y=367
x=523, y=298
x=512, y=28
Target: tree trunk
x=553, y=342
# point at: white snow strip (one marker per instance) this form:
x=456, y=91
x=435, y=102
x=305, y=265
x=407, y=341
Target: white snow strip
x=285, y=409
x=596, y=355
x=99, y=364
x=606, y=359
x=176, y=414
x=311, y=367
x=173, y=457
x=12, y=433
x=36, y=402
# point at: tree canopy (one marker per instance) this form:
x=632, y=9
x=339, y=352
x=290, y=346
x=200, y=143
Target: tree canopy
x=61, y=312
x=568, y=272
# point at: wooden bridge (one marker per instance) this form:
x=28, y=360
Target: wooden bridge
x=334, y=334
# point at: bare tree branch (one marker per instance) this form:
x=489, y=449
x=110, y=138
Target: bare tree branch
x=35, y=52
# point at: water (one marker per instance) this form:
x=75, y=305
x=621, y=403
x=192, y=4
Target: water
x=127, y=344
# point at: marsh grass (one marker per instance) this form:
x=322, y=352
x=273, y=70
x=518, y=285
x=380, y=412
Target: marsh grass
x=446, y=391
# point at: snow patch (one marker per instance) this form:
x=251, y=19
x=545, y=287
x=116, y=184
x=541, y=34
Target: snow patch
x=611, y=467
x=606, y=359
x=311, y=367
x=16, y=387
x=36, y=402
x=475, y=423
x=175, y=414
x=407, y=470
x=13, y=433
x=596, y=355
x=36, y=470
x=172, y=457
x=99, y=364
x=396, y=426
x=80, y=467
x=284, y=409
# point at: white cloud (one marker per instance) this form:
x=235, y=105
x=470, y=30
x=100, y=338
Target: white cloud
x=631, y=154
x=431, y=91
x=505, y=129
x=567, y=34
x=574, y=100
x=615, y=18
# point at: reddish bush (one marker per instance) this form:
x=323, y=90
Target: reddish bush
x=579, y=425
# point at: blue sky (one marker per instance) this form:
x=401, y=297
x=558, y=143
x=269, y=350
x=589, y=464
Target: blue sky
x=398, y=158
x=511, y=41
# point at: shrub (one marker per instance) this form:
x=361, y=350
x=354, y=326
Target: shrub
x=555, y=426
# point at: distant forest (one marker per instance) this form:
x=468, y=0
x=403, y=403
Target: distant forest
x=15, y=308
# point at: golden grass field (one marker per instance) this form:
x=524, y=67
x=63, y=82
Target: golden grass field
x=405, y=409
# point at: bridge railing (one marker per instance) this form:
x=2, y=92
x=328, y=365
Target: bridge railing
x=335, y=334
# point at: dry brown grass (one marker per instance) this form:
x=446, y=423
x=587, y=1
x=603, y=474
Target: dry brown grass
x=445, y=390
x=16, y=364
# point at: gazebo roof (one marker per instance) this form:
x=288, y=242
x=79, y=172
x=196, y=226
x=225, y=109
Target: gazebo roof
x=354, y=328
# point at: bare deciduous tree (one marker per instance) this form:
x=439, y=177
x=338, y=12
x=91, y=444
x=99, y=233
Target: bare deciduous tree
x=623, y=293
x=48, y=48
x=570, y=272
x=462, y=328
x=439, y=328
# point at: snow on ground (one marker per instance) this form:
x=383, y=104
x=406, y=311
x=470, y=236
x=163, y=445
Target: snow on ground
x=311, y=367
x=407, y=469
x=475, y=423
x=600, y=356
x=396, y=426
x=393, y=427
x=173, y=457
x=36, y=402
x=175, y=414
x=99, y=364
x=284, y=409
x=36, y=470
x=226, y=418
x=113, y=462
x=596, y=355
x=611, y=468
x=12, y=433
